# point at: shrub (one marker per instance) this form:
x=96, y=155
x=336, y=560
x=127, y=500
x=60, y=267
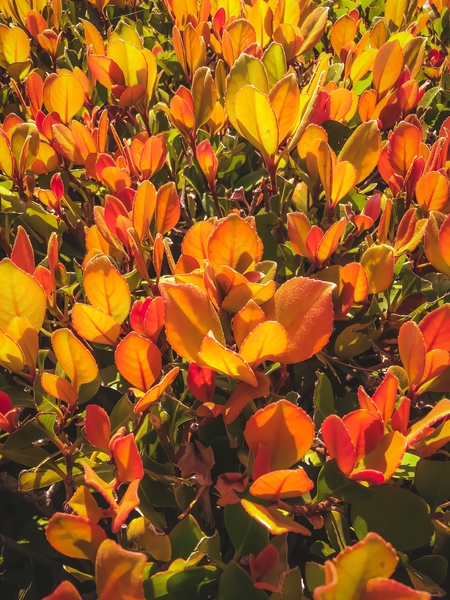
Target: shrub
x=224, y=327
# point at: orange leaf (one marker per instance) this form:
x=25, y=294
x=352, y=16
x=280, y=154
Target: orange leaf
x=234, y=243
x=344, y=178
x=138, y=360
x=243, y=394
x=385, y=396
x=411, y=347
x=195, y=242
x=387, y=67
x=285, y=100
x=282, y=484
x=59, y=388
x=432, y=191
x=156, y=391
x=284, y=429
x=167, y=208
x=74, y=536
x=304, y=308
x=298, y=229
x=94, y=325
x=330, y=240
x=435, y=329
x=403, y=147
x=215, y=356
x=386, y=457
x=75, y=359
x=189, y=317
x=272, y=519
x=22, y=254
x=106, y=289
x=64, y=95
x=119, y=572
x=153, y=156
x=267, y=341
x=418, y=429
x=246, y=320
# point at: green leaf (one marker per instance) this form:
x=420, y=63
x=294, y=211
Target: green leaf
x=37, y=479
x=323, y=399
x=189, y=584
x=246, y=534
x=274, y=60
x=235, y=583
x=331, y=482
x=434, y=566
x=399, y=516
x=314, y=575
x=338, y=531
x=185, y=537
x=432, y=481
x=146, y=507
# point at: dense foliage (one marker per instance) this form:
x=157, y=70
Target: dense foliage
x=224, y=299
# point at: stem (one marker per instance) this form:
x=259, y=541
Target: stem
x=272, y=169
x=215, y=197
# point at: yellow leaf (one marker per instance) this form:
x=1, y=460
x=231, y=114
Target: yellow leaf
x=11, y=355
x=106, y=289
x=25, y=335
x=16, y=46
x=267, y=341
x=130, y=60
x=75, y=359
x=353, y=568
x=143, y=534
x=272, y=519
x=363, y=149
x=395, y=13
x=218, y=358
x=378, y=264
x=247, y=70
x=20, y=296
x=256, y=120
